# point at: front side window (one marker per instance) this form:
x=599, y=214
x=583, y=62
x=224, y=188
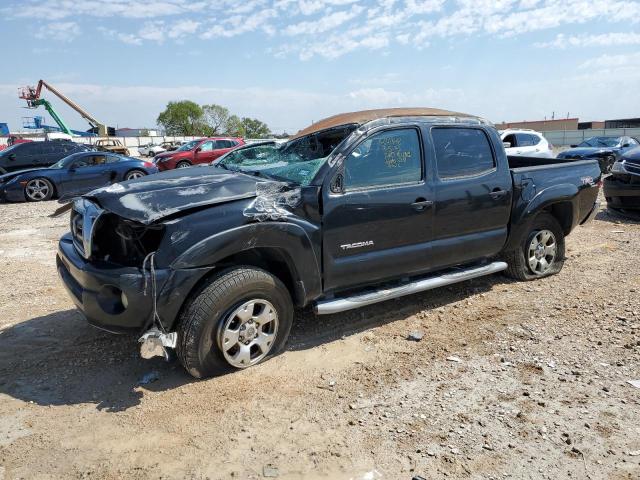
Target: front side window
x=386, y=158
x=462, y=152
x=511, y=140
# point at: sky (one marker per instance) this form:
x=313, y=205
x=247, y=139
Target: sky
x=293, y=62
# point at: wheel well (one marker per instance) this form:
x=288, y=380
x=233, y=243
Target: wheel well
x=563, y=213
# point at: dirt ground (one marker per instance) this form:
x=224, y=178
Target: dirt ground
x=511, y=380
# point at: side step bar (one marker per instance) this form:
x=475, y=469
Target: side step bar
x=335, y=305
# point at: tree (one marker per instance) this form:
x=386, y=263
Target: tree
x=144, y=132
x=183, y=118
x=216, y=118
x=254, y=128
x=235, y=128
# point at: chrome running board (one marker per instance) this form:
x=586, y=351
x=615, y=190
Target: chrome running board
x=335, y=305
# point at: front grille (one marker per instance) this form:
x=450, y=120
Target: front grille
x=77, y=231
x=632, y=167
x=84, y=217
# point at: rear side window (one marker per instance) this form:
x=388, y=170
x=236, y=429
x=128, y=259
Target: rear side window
x=462, y=152
x=525, y=140
x=386, y=158
x=535, y=139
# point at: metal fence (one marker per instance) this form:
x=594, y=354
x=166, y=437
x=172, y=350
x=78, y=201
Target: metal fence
x=565, y=138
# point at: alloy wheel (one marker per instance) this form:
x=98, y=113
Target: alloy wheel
x=542, y=251
x=248, y=333
x=37, y=189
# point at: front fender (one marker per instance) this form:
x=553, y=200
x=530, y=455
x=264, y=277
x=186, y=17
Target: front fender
x=289, y=238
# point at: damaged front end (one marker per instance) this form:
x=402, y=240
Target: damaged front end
x=107, y=264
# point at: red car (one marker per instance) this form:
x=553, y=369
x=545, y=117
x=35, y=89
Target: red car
x=203, y=150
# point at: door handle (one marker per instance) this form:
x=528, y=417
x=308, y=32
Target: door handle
x=497, y=193
x=421, y=204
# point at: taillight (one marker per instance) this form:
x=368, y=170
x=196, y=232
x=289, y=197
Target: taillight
x=550, y=146
x=148, y=164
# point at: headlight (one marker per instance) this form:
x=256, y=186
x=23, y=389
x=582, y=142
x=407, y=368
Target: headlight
x=618, y=167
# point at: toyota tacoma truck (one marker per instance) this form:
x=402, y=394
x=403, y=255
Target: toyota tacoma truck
x=356, y=209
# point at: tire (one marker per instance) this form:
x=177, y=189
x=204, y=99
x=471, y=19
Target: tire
x=133, y=174
x=183, y=164
x=38, y=190
x=214, y=314
x=520, y=265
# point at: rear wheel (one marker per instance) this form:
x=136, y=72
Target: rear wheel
x=241, y=318
x=38, y=190
x=541, y=251
x=133, y=174
x=183, y=164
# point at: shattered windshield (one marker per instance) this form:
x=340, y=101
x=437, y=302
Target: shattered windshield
x=599, y=142
x=296, y=161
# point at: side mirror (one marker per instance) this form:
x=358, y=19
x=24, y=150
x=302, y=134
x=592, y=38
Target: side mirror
x=12, y=156
x=72, y=169
x=626, y=145
x=199, y=149
x=506, y=144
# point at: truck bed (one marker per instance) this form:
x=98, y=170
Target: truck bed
x=525, y=162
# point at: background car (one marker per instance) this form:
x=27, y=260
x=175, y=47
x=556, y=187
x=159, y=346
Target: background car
x=607, y=150
x=526, y=143
x=203, y=150
x=37, y=154
x=622, y=187
x=73, y=175
x=151, y=150
x=111, y=145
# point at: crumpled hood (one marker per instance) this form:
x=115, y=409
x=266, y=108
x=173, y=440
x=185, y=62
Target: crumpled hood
x=8, y=176
x=149, y=199
x=586, y=151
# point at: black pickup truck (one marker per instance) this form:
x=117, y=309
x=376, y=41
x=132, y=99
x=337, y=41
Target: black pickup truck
x=356, y=209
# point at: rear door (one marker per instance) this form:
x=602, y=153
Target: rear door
x=204, y=153
x=377, y=218
x=472, y=195
x=526, y=144
x=222, y=146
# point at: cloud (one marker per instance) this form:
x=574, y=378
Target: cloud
x=60, y=31
x=563, y=41
x=333, y=28
x=613, y=62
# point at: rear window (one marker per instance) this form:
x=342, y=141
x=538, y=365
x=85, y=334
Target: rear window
x=462, y=152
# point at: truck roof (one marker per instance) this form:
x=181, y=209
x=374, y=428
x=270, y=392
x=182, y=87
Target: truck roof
x=365, y=116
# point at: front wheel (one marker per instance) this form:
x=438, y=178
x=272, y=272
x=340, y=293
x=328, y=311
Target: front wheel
x=541, y=251
x=183, y=165
x=38, y=190
x=241, y=318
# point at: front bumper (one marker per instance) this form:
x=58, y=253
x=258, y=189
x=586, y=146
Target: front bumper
x=110, y=297
x=113, y=297
x=12, y=193
x=620, y=194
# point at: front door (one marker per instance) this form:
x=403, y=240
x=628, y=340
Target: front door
x=377, y=216
x=472, y=195
x=87, y=173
